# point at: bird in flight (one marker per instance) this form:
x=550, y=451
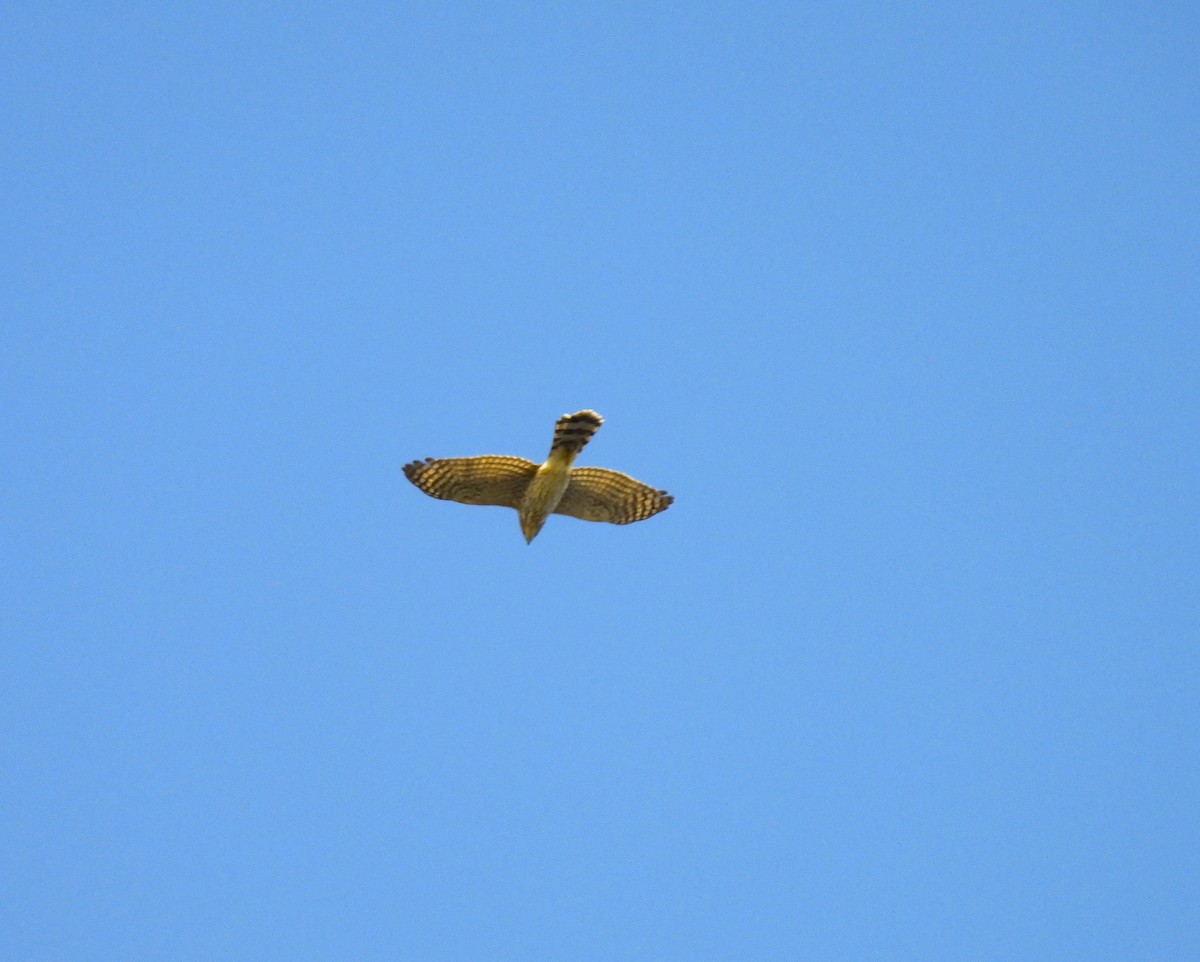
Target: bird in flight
x=538, y=490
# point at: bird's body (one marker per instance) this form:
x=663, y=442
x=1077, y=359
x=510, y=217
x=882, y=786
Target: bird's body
x=544, y=493
x=571, y=435
x=537, y=491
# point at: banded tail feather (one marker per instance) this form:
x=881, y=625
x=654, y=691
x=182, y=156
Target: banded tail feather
x=573, y=431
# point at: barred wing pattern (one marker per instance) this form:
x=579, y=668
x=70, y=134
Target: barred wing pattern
x=600, y=494
x=488, y=479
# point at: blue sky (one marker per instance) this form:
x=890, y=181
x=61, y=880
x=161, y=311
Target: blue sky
x=900, y=301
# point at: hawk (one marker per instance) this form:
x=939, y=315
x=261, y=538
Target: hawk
x=539, y=490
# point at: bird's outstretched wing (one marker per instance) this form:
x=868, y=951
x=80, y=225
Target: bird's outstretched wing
x=600, y=494
x=488, y=479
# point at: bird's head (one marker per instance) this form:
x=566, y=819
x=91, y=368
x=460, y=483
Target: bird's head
x=530, y=526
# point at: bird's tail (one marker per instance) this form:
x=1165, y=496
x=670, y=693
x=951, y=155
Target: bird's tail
x=572, y=432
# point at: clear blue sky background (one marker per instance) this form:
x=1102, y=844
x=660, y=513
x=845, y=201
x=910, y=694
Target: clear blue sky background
x=900, y=301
